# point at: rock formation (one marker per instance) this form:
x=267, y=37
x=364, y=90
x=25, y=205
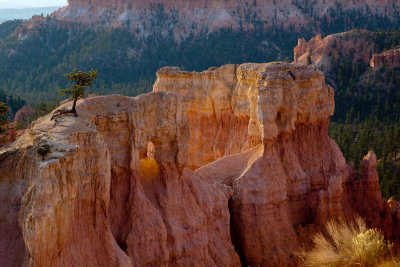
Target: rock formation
x=186, y=17
x=323, y=51
x=30, y=28
x=390, y=58
x=224, y=105
x=85, y=204
x=221, y=112
x=23, y=114
x=116, y=187
x=302, y=169
x=364, y=196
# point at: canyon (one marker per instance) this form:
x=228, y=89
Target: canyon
x=232, y=166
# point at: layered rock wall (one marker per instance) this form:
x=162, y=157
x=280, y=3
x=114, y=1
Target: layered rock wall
x=115, y=188
x=364, y=196
x=220, y=112
x=389, y=58
x=322, y=52
x=233, y=108
x=302, y=169
x=185, y=17
x=295, y=180
x=86, y=204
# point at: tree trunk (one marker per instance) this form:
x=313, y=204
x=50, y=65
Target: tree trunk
x=73, y=110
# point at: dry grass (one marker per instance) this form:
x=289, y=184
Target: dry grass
x=349, y=244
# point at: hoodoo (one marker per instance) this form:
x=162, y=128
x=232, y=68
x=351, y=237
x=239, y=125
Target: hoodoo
x=389, y=58
x=323, y=52
x=225, y=167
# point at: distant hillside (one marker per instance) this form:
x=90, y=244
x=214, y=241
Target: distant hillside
x=127, y=41
x=183, y=18
x=25, y=13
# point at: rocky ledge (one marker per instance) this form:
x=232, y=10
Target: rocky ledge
x=389, y=58
x=323, y=52
x=225, y=167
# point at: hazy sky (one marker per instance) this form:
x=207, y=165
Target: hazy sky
x=31, y=3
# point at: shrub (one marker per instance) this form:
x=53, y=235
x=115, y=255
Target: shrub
x=349, y=244
x=43, y=151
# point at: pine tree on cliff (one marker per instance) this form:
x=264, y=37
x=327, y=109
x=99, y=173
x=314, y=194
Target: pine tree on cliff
x=3, y=111
x=77, y=90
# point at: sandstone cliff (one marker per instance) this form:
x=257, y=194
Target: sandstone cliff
x=85, y=204
x=116, y=189
x=185, y=17
x=221, y=112
x=224, y=106
x=214, y=14
x=355, y=44
x=390, y=58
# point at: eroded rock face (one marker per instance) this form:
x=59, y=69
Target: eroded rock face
x=85, y=204
x=116, y=189
x=295, y=176
x=218, y=125
x=297, y=179
x=324, y=51
x=233, y=108
x=389, y=58
x=364, y=196
x=23, y=114
x=186, y=17
x=300, y=186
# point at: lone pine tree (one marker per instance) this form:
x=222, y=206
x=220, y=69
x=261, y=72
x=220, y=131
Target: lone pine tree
x=77, y=90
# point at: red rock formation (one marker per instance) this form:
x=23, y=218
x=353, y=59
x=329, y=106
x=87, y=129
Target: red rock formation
x=297, y=179
x=390, y=58
x=301, y=167
x=218, y=126
x=223, y=111
x=324, y=51
x=97, y=199
x=87, y=205
x=12, y=189
x=23, y=114
x=363, y=197
x=186, y=17
x=31, y=28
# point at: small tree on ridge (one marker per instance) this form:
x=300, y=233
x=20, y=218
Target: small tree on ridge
x=77, y=90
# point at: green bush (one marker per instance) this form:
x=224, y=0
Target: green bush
x=43, y=151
